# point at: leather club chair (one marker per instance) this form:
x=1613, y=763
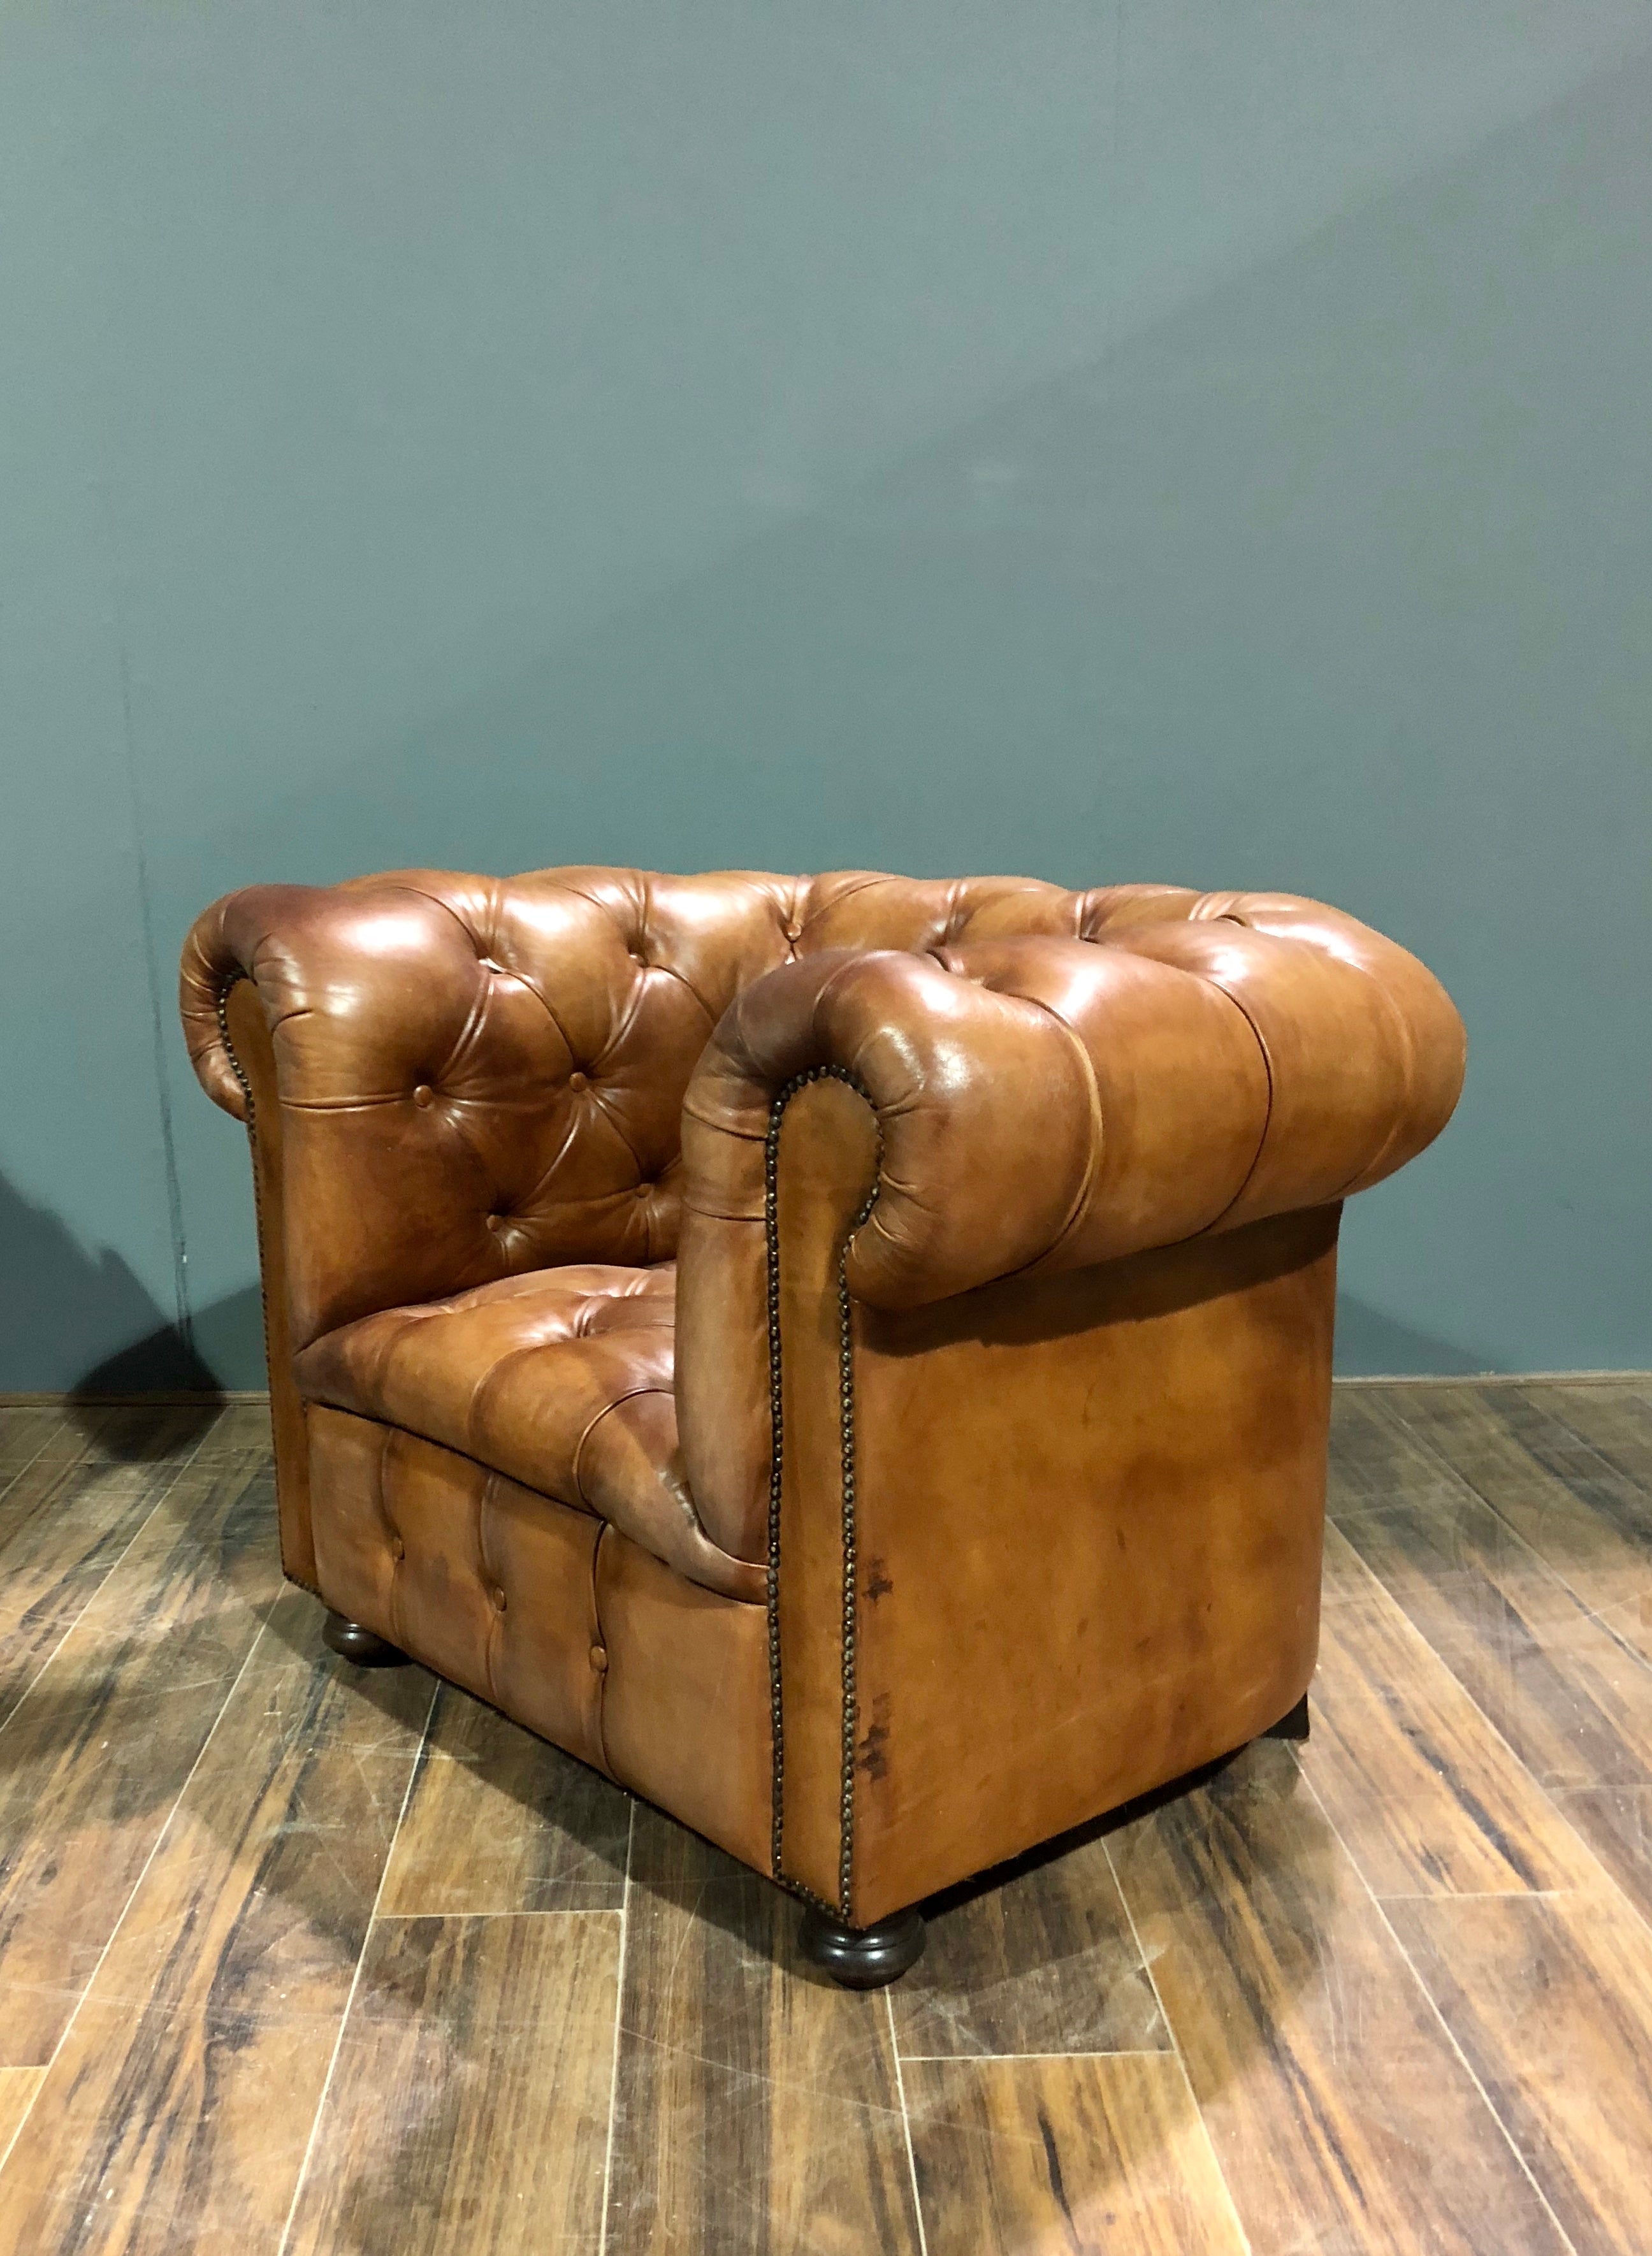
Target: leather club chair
x=847, y=1356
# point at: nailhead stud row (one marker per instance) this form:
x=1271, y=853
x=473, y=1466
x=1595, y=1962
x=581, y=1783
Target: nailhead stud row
x=846, y=1429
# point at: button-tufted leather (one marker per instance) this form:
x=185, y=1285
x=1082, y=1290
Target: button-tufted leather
x=561, y=1378
x=1021, y=1203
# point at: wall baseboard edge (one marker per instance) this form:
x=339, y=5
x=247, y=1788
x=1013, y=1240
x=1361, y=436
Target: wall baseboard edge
x=1495, y=1379
x=166, y=1400
x=230, y=1394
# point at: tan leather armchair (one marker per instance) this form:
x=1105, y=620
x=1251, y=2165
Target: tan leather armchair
x=849, y=1356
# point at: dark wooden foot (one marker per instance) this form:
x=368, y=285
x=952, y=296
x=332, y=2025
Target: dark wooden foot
x=364, y=1646
x=1294, y=1726
x=861, y=1957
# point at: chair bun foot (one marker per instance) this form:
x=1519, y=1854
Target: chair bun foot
x=861, y=1957
x=363, y=1646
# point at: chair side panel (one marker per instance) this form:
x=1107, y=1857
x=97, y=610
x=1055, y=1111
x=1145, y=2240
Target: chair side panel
x=685, y=1705
x=1090, y=1515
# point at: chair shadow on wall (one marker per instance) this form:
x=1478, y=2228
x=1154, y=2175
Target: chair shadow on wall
x=60, y=1307
x=1371, y=1344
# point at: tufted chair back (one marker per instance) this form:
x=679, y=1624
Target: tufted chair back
x=482, y=1076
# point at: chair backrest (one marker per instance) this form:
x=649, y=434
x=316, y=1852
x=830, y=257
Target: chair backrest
x=480, y=1076
x=628, y=972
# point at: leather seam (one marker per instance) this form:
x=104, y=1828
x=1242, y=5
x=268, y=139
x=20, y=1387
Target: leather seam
x=407, y=1433
x=600, y=1705
x=1215, y=1224
x=476, y=1019
x=690, y=989
x=689, y=1510
x=532, y=988
x=842, y=1909
x=1079, y=1210
x=1406, y=1046
x=487, y=1385
x=617, y=1037
x=1408, y=1051
x=380, y=1496
x=489, y=1583
x=591, y=1424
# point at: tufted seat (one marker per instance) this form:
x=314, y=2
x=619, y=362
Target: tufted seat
x=559, y=1378
x=848, y=1355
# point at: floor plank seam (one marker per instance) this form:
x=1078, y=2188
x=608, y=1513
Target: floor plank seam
x=540, y=1911
x=96, y=1590
x=28, y=1465
x=977, y=2059
x=1596, y=1450
x=905, y=2123
x=23, y=2119
x=619, y=2006
x=1606, y=1875
x=355, y=1980
x=131, y=1898
x=1356, y=1380
x=1615, y=1474
x=1464, y=1480
x=1484, y=1895
x=1239, y=2226
x=1434, y=2007
x=1630, y=1652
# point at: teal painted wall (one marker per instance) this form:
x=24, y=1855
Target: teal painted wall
x=1201, y=442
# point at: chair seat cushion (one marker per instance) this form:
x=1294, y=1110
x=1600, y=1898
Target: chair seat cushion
x=559, y=1378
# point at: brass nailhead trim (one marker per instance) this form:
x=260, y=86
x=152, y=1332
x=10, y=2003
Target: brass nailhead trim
x=846, y=1427
x=228, y=1047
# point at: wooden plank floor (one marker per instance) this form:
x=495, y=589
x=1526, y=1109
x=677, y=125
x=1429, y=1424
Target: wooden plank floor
x=299, y=1961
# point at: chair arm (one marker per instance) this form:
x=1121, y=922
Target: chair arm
x=416, y=1084
x=1203, y=1061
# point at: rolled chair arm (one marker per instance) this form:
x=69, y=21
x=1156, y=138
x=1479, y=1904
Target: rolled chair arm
x=1053, y=1103
x=363, y=984
x=222, y=947
x=362, y=993
x=1188, y=1063
x=429, y=1137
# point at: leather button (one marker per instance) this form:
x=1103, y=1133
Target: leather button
x=794, y=932
x=498, y=1598
x=424, y=1095
x=398, y=1548
x=599, y=1658
x=577, y=1081
x=496, y=1221
x=643, y=1189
